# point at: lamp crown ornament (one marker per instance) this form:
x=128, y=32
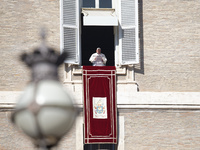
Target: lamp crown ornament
x=44, y=61
x=45, y=111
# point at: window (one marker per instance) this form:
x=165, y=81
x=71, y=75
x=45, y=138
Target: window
x=123, y=38
x=97, y=3
x=97, y=36
x=89, y=3
x=105, y=3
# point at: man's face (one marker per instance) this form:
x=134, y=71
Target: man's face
x=98, y=51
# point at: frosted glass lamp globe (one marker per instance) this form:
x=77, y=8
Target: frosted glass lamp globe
x=45, y=112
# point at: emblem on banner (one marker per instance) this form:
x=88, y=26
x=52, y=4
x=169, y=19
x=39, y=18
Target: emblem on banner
x=100, y=107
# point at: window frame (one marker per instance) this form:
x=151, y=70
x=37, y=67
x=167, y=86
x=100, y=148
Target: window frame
x=117, y=33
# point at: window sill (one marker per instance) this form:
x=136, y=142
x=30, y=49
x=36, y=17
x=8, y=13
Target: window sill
x=78, y=71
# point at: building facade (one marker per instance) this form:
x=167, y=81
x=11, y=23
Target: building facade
x=155, y=48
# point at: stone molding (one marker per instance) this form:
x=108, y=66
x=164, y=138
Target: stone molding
x=131, y=100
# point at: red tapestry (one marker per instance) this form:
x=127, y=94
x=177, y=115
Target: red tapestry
x=99, y=104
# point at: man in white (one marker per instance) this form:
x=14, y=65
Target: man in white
x=98, y=59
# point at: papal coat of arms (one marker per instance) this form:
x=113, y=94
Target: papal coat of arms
x=100, y=107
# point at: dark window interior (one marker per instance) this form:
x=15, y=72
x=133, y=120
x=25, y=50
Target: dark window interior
x=102, y=3
x=105, y=3
x=97, y=36
x=89, y=3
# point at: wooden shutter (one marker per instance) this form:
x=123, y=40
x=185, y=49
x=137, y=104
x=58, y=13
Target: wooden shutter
x=128, y=31
x=70, y=30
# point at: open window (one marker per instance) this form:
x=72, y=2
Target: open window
x=97, y=36
x=109, y=24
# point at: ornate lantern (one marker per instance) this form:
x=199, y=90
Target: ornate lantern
x=45, y=111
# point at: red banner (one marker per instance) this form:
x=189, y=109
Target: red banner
x=100, y=113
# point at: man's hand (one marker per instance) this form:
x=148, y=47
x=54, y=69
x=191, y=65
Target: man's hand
x=98, y=58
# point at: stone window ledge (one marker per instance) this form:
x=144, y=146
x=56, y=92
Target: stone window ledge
x=78, y=71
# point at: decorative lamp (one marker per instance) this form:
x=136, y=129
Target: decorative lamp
x=45, y=111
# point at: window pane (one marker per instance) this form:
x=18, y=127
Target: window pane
x=105, y=3
x=89, y=3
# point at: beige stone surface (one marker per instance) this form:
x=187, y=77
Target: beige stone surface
x=147, y=129
x=170, y=62
x=20, y=24
x=169, y=32
x=162, y=130
x=170, y=46
x=13, y=139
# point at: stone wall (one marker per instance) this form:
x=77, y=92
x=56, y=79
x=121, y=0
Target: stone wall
x=169, y=46
x=11, y=138
x=170, y=60
x=169, y=42
x=20, y=24
x=143, y=129
x=163, y=129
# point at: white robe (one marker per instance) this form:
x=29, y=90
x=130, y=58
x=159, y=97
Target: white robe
x=100, y=59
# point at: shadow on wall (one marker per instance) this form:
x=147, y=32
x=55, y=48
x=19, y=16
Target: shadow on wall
x=139, y=68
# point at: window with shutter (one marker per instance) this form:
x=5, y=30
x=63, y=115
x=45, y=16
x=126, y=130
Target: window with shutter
x=126, y=38
x=70, y=30
x=128, y=32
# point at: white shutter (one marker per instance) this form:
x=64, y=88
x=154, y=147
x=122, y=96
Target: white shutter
x=70, y=30
x=128, y=31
